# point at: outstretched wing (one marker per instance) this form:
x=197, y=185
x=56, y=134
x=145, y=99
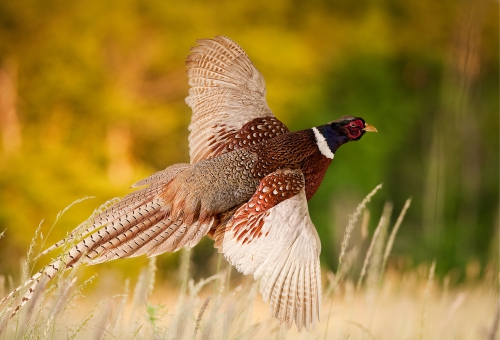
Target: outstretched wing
x=273, y=238
x=228, y=99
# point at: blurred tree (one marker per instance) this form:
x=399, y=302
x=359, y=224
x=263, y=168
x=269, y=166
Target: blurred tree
x=92, y=98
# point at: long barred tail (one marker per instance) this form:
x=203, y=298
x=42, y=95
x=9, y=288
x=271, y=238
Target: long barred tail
x=138, y=224
x=126, y=204
x=48, y=271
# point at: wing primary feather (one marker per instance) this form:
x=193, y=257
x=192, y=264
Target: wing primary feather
x=285, y=296
x=292, y=296
x=299, y=316
x=307, y=297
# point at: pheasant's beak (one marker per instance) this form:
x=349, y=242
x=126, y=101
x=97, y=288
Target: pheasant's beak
x=370, y=128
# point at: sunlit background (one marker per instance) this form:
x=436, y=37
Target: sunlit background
x=92, y=100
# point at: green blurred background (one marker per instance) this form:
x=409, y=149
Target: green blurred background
x=92, y=100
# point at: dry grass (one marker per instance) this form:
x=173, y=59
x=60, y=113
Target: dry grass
x=379, y=302
x=406, y=306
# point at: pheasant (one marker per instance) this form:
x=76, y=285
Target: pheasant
x=247, y=187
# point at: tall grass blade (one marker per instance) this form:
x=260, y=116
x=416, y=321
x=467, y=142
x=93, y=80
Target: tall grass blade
x=103, y=324
x=353, y=218
x=200, y=315
x=177, y=326
x=117, y=322
x=375, y=262
x=368, y=256
x=496, y=323
x=151, y=276
x=427, y=296
x=394, y=231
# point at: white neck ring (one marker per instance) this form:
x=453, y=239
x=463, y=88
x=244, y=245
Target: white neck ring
x=322, y=144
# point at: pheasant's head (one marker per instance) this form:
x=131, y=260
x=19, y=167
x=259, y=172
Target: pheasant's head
x=351, y=127
x=331, y=136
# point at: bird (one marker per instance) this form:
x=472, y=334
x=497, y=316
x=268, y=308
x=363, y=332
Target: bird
x=247, y=186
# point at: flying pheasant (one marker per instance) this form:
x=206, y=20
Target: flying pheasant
x=247, y=187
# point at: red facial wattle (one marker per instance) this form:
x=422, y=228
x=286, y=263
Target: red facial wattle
x=355, y=128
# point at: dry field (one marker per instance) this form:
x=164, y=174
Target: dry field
x=409, y=306
x=374, y=301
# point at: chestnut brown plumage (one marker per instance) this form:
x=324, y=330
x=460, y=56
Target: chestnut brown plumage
x=247, y=186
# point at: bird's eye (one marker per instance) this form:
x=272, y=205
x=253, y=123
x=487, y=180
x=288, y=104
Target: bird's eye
x=352, y=124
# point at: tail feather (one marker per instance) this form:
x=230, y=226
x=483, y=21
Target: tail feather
x=127, y=224
x=164, y=236
x=143, y=222
x=127, y=208
x=195, y=236
x=156, y=184
x=121, y=241
x=126, y=204
x=48, y=271
x=127, y=244
x=130, y=201
x=184, y=236
x=87, y=246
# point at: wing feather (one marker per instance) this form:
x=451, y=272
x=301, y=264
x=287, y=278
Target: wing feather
x=273, y=238
x=227, y=92
x=299, y=314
